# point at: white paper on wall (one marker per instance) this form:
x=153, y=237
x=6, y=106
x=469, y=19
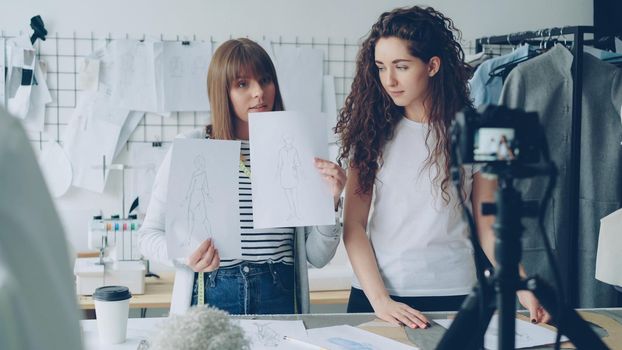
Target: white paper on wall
x=91, y=139
x=132, y=121
x=184, y=76
x=202, y=200
x=56, y=168
x=145, y=160
x=287, y=188
x=300, y=74
x=88, y=76
x=39, y=97
x=21, y=66
x=134, y=84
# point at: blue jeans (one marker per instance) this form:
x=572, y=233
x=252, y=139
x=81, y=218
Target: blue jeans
x=249, y=288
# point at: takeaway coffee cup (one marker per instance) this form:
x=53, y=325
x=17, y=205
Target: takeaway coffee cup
x=112, y=306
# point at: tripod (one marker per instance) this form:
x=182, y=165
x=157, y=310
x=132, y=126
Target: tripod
x=498, y=290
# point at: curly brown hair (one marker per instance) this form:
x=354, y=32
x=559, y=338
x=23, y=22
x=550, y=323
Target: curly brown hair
x=368, y=119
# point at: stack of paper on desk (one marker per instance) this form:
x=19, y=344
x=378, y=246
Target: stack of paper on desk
x=348, y=337
x=527, y=334
x=268, y=334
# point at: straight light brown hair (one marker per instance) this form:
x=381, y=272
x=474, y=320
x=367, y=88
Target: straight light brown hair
x=233, y=59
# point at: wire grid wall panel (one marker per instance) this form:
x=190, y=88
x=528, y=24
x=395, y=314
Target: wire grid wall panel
x=64, y=55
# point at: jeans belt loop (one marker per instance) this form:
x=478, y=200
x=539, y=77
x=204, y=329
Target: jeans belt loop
x=212, y=278
x=273, y=272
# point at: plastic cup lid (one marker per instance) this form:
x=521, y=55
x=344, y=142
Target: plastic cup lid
x=112, y=293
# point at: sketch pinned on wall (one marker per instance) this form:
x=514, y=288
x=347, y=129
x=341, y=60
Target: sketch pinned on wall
x=184, y=70
x=176, y=70
x=268, y=334
x=91, y=138
x=300, y=71
x=40, y=96
x=88, y=76
x=130, y=124
x=145, y=160
x=202, y=199
x=20, y=75
x=56, y=169
x=289, y=173
x=134, y=84
x=289, y=141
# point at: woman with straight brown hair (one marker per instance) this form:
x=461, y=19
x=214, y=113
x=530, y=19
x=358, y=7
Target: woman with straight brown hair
x=272, y=277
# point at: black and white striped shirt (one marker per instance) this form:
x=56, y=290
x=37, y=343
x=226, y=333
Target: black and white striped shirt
x=259, y=245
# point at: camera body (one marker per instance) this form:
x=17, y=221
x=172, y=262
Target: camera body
x=497, y=135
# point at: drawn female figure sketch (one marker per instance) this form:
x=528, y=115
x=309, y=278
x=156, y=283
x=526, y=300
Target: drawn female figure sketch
x=288, y=168
x=197, y=198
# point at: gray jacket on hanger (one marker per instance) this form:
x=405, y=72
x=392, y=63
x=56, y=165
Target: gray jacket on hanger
x=544, y=84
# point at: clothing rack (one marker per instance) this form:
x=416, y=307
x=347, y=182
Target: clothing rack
x=568, y=247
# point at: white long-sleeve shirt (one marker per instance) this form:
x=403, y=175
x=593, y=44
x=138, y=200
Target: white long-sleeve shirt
x=320, y=242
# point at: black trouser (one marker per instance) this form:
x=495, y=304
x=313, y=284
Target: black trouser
x=359, y=303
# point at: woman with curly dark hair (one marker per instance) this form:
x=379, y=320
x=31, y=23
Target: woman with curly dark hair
x=410, y=81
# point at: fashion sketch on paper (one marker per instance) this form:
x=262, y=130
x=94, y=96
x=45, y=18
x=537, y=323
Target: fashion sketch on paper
x=197, y=199
x=289, y=173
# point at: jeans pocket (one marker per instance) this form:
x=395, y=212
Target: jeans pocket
x=223, y=291
x=283, y=276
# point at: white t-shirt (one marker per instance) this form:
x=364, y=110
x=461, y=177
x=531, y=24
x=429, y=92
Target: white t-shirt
x=420, y=241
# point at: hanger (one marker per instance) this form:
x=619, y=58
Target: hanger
x=561, y=33
x=504, y=69
x=614, y=60
x=36, y=23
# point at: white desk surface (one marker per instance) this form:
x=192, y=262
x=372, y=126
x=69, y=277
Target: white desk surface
x=137, y=330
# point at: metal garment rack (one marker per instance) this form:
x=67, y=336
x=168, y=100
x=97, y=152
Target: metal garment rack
x=569, y=246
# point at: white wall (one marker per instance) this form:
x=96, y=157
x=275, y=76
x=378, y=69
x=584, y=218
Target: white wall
x=305, y=18
x=319, y=19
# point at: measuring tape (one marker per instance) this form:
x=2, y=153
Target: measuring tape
x=201, y=285
x=201, y=278
x=244, y=169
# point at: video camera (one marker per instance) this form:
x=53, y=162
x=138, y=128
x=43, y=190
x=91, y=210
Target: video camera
x=497, y=134
x=510, y=142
